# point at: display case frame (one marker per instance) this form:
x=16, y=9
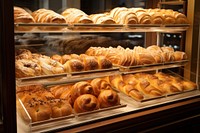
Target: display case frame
x=188, y=109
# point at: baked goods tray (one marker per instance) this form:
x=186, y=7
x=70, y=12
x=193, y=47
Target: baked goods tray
x=25, y=123
x=65, y=28
x=66, y=77
x=150, y=67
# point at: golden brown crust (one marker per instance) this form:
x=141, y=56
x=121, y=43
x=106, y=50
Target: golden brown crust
x=60, y=108
x=86, y=102
x=73, y=65
x=80, y=88
x=108, y=98
x=99, y=84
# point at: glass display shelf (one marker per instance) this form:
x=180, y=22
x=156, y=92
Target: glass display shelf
x=93, y=28
x=128, y=106
x=87, y=75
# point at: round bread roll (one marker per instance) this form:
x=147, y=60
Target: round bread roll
x=38, y=110
x=60, y=108
x=86, y=102
x=108, y=98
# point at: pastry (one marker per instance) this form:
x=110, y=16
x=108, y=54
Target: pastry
x=80, y=88
x=108, y=98
x=27, y=68
x=74, y=15
x=73, y=65
x=85, y=103
x=60, y=108
x=99, y=84
x=101, y=19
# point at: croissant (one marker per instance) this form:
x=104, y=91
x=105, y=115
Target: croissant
x=86, y=102
x=102, y=19
x=99, y=84
x=179, y=55
x=47, y=16
x=80, y=88
x=108, y=98
x=188, y=85
x=169, y=17
x=156, y=17
x=122, y=15
x=180, y=18
x=22, y=16
x=58, y=90
x=73, y=15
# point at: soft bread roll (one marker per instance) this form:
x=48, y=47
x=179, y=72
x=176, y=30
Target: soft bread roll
x=89, y=62
x=73, y=15
x=86, y=102
x=108, y=98
x=38, y=110
x=102, y=19
x=60, y=108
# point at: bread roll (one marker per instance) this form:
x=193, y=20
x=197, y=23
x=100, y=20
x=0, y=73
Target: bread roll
x=89, y=62
x=85, y=103
x=103, y=63
x=38, y=110
x=73, y=15
x=108, y=98
x=73, y=65
x=60, y=108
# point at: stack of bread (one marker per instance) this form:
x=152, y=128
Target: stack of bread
x=29, y=64
x=138, y=55
x=118, y=15
x=62, y=100
x=143, y=86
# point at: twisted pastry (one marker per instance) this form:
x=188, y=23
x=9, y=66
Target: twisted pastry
x=27, y=68
x=99, y=84
x=86, y=102
x=108, y=98
x=50, y=66
x=80, y=88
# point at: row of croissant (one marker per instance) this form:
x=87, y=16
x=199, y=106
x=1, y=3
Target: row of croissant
x=29, y=64
x=83, y=96
x=118, y=15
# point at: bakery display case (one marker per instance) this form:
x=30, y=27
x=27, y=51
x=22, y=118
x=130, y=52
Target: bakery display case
x=73, y=71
